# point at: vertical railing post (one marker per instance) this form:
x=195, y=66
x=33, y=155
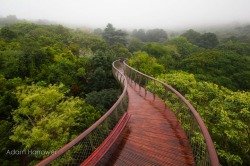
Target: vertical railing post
x=91, y=142
x=165, y=96
x=154, y=90
x=140, y=84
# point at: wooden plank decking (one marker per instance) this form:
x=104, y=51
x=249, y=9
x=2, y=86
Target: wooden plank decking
x=153, y=135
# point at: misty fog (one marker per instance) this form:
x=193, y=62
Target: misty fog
x=168, y=14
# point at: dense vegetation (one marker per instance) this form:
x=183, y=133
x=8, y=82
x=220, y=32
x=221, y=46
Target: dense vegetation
x=55, y=82
x=51, y=80
x=215, y=77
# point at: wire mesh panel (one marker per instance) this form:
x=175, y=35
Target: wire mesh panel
x=199, y=139
x=79, y=149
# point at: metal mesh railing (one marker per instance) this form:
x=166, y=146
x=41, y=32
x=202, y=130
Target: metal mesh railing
x=78, y=150
x=200, y=141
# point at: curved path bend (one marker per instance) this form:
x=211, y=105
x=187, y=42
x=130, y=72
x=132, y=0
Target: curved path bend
x=153, y=135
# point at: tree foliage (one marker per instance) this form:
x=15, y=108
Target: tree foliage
x=156, y=35
x=103, y=99
x=183, y=46
x=221, y=67
x=243, y=49
x=191, y=36
x=206, y=40
x=47, y=119
x=220, y=71
x=225, y=113
x=151, y=35
x=140, y=34
x=112, y=36
x=135, y=45
x=145, y=63
x=36, y=59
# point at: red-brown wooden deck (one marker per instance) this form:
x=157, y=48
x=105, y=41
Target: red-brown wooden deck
x=153, y=135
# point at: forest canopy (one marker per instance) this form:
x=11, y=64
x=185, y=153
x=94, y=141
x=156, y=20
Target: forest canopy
x=50, y=79
x=214, y=75
x=53, y=72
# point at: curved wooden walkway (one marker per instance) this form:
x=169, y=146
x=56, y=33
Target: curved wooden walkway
x=147, y=134
x=153, y=135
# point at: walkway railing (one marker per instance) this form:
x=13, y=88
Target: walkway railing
x=199, y=138
x=78, y=150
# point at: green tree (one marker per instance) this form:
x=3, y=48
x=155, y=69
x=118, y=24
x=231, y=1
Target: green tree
x=7, y=33
x=120, y=51
x=225, y=68
x=8, y=100
x=8, y=103
x=191, y=36
x=103, y=99
x=135, y=45
x=101, y=76
x=166, y=55
x=183, y=46
x=207, y=40
x=156, y=35
x=13, y=63
x=64, y=71
x=98, y=31
x=112, y=36
x=240, y=48
x=146, y=64
x=7, y=144
x=75, y=48
x=140, y=34
x=155, y=49
x=10, y=19
x=46, y=119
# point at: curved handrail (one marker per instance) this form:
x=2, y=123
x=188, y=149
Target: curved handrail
x=99, y=123
x=212, y=155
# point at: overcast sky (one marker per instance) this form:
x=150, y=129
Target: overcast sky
x=131, y=13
